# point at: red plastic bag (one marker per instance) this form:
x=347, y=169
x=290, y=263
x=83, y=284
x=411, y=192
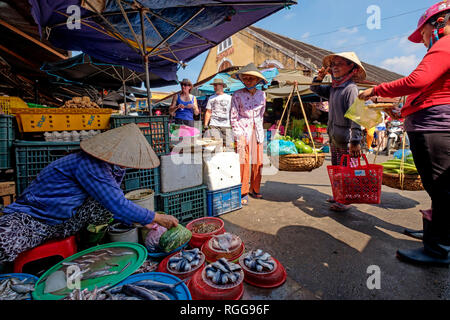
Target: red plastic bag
x=361, y=184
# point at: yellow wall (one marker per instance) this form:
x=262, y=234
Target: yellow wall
x=245, y=49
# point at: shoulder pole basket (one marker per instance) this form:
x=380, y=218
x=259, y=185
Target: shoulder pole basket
x=298, y=162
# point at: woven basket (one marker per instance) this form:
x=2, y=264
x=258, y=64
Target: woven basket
x=411, y=182
x=298, y=162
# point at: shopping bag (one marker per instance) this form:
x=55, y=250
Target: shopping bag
x=359, y=113
x=281, y=147
x=361, y=184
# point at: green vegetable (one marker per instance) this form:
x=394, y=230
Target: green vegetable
x=173, y=238
x=307, y=149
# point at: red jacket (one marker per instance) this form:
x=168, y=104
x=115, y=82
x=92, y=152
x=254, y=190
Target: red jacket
x=428, y=85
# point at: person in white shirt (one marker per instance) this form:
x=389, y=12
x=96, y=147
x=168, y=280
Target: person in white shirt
x=217, y=116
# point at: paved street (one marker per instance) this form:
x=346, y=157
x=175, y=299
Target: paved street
x=326, y=254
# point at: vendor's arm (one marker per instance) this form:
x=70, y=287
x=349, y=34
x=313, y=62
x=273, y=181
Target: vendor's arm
x=173, y=107
x=238, y=132
x=433, y=66
x=321, y=90
x=96, y=178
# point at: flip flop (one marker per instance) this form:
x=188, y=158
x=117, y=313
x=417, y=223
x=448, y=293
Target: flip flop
x=419, y=256
x=255, y=195
x=416, y=234
x=331, y=200
x=339, y=207
x=244, y=200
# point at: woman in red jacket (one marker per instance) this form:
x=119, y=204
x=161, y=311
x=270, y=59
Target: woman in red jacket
x=427, y=122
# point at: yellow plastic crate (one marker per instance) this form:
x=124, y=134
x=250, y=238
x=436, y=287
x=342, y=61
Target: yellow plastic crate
x=6, y=103
x=62, y=119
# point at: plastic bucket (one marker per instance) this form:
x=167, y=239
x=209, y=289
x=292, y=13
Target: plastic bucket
x=131, y=235
x=142, y=197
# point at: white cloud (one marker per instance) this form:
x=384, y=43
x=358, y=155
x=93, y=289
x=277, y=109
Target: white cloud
x=289, y=16
x=306, y=35
x=409, y=47
x=349, y=31
x=403, y=65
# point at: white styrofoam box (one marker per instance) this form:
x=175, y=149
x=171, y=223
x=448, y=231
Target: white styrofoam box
x=221, y=170
x=181, y=171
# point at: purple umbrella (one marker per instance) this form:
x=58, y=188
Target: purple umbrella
x=163, y=34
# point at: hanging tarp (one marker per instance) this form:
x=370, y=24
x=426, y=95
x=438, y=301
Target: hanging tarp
x=233, y=84
x=83, y=69
x=175, y=31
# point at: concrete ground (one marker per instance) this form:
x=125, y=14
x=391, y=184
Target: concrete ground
x=326, y=254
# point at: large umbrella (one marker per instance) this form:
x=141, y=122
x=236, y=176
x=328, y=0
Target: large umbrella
x=136, y=34
x=82, y=69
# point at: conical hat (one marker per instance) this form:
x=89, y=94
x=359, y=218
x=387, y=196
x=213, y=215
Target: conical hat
x=251, y=70
x=124, y=146
x=361, y=75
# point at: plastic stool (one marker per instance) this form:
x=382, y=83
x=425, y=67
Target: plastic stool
x=60, y=247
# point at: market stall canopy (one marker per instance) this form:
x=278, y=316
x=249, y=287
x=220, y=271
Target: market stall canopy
x=233, y=84
x=86, y=70
x=173, y=31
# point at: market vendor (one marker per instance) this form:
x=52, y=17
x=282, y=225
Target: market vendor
x=427, y=122
x=184, y=105
x=79, y=189
x=345, y=135
x=247, y=113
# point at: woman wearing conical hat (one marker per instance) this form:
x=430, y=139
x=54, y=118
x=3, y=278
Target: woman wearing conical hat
x=345, y=135
x=80, y=189
x=247, y=111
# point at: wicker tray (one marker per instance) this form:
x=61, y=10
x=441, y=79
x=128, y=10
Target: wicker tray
x=298, y=162
x=411, y=182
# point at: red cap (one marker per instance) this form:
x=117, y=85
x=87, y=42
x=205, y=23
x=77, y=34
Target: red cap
x=432, y=11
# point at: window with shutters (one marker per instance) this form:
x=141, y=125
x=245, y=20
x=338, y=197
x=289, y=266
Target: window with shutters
x=224, y=45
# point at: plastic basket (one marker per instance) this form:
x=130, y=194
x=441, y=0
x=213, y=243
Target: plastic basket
x=185, y=205
x=198, y=239
x=154, y=128
x=6, y=141
x=142, y=179
x=35, y=105
x=361, y=184
x=33, y=156
x=61, y=119
x=6, y=103
x=224, y=200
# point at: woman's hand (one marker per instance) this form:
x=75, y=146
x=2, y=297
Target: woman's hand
x=366, y=94
x=165, y=220
x=355, y=150
x=322, y=73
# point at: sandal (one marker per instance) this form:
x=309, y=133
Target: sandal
x=256, y=195
x=339, y=207
x=416, y=234
x=244, y=200
x=331, y=200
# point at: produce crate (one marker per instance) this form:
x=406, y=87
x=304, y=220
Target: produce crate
x=61, y=119
x=6, y=103
x=6, y=140
x=185, y=205
x=33, y=156
x=154, y=128
x=223, y=200
x=7, y=193
x=141, y=179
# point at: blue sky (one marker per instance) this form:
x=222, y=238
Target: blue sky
x=342, y=26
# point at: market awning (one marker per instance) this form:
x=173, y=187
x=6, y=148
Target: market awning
x=162, y=34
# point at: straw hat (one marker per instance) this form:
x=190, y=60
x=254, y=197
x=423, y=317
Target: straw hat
x=124, y=146
x=219, y=81
x=361, y=75
x=251, y=70
x=186, y=81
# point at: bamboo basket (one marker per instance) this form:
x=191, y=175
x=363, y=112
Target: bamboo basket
x=298, y=162
x=411, y=182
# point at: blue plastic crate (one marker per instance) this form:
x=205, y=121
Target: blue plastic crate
x=142, y=179
x=224, y=200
